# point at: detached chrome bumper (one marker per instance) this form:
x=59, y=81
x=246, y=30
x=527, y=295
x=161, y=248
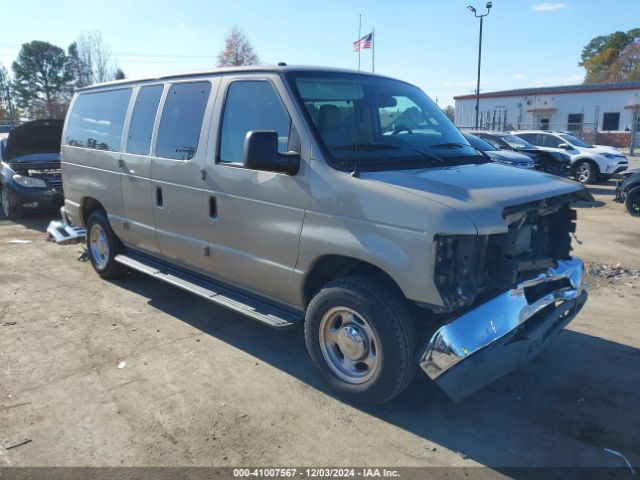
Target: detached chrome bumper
x=61, y=231
x=505, y=332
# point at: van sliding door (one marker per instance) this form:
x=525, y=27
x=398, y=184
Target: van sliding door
x=135, y=165
x=180, y=204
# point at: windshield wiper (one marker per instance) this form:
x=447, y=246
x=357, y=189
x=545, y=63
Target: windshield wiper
x=450, y=145
x=365, y=146
x=388, y=146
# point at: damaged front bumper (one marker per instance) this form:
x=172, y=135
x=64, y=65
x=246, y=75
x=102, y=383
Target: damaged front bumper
x=504, y=333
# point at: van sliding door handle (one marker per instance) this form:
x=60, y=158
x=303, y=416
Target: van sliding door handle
x=159, y=199
x=213, y=207
x=121, y=163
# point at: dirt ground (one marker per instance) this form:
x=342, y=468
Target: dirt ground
x=204, y=386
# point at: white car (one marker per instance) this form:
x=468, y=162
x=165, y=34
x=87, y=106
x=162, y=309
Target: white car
x=590, y=162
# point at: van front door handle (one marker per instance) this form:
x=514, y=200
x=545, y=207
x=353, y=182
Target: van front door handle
x=121, y=163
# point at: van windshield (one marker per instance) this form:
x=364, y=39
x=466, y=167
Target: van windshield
x=385, y=124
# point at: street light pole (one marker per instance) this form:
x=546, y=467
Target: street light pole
x=481, y=17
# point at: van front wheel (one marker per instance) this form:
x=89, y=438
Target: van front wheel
x=103, y=246
x=361, y=338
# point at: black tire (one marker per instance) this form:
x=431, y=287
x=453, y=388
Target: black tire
x=632, y=202
x=106, y=266
x=385, y=313
x=8, y=210
x=585, y=172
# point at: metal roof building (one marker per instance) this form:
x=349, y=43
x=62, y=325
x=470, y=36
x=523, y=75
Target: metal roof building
x=608, y=110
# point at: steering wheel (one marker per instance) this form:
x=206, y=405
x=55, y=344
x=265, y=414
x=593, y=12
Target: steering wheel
x=401, y=128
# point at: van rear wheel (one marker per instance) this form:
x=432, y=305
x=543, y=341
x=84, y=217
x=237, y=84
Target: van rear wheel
x=361, y=338
x=103, y=246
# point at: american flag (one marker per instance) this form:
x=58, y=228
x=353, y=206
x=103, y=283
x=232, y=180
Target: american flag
x=364, y=42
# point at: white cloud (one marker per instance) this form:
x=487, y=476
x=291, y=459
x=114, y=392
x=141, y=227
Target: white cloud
x=547, y=6
x=518, y=76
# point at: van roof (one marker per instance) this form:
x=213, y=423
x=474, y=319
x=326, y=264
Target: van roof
x=244, y=69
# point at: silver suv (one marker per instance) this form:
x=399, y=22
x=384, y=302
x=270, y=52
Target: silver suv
x=590, y=163
x=340, y=200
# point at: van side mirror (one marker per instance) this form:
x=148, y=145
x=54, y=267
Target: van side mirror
x=566, y=146
x=261, y=153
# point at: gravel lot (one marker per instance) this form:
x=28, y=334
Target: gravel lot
x=204, y=386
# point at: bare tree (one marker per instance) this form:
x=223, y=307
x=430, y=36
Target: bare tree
x=627, y=67
x=237, y=50
x=94, y=54
x=450, y=112
x=81, y=73
x=4, y=91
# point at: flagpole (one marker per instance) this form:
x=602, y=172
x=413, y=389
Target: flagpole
x=359, y=37
x=373, y=50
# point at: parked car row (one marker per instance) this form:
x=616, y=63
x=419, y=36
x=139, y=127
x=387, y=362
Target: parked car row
x=506, y=157
x=560, y=153
x=557, y=163
x=590, y=163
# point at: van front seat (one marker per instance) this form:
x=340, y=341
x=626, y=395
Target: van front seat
x=330, y=125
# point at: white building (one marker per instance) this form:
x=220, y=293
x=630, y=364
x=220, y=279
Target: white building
x=603, y=112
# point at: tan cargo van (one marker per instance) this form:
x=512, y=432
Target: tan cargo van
x=341, y=200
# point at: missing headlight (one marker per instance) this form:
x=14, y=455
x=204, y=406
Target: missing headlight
x=471, y=267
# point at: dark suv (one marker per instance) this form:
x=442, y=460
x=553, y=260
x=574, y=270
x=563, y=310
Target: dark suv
x=30, y=177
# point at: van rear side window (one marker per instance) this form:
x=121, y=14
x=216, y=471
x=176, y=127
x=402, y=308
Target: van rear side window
x=142, y=120
x=181, y=121
x=97, y=119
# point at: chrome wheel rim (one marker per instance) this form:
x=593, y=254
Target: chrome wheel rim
x=583, y=171
x=99, y=246
x=349, y=345
x=6, y=206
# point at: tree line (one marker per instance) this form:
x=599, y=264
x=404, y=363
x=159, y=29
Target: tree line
x=612, y=58
x=44, y=76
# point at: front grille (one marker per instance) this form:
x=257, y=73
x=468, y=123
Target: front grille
x=54, y=183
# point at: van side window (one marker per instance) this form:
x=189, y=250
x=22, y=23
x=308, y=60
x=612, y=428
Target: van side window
x=181, y=121
x=142, y=119
x=97, y=119
x=251, y=105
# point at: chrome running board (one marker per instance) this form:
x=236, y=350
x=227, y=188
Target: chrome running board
x=259, y=309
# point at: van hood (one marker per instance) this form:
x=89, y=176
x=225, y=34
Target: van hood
x=480, y=191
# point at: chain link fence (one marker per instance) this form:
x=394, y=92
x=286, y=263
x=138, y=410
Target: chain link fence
x=588, y=132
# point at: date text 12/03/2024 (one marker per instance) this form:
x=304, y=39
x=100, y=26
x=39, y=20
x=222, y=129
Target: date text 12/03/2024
x=315, y=473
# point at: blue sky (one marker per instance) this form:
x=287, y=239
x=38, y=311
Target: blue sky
x=431, y=43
